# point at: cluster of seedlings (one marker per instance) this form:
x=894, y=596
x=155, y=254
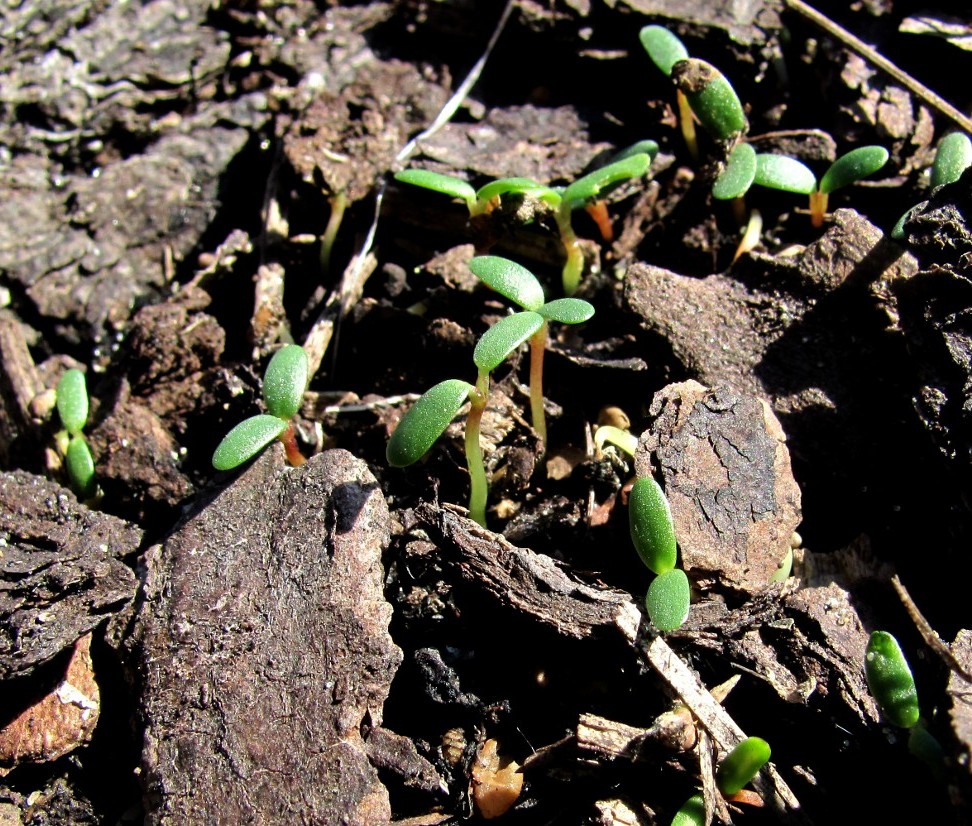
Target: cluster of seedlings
x=71, y=401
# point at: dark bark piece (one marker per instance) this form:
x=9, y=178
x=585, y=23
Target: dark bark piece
x=960, y=693
x=751, y=22
x=59, y=570
x=19, y=384
x=527, y=582
x=266, y=647
x=397, y=755
x=726, y=472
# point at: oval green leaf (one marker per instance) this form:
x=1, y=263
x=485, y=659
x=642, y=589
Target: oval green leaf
x=246, y=440
x=598, y=182
x=663, y=47
x=509, y=279
x=890, y=680
x=285, y=380
x=856, y=164
x=646, y=147
x=426, y=421
x=668, y=600
x=898, y=230
x=567, y=310
x=72, y=401
x=650, y=522
x=692, y=812
x=712, y=98
x=742, y=764
x=734, y=181
x=80, y=467
x=500, y=340
x=953, y=157
x=446, y=184
x=509, y=186
x=784, y=173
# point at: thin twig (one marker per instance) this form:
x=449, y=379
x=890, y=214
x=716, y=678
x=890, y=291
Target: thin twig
x=873, y=56
x=928, y=634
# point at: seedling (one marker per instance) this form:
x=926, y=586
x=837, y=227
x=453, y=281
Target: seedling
x=622, y=439
x=521, y=287
x=890, y=681
x=712, y=98
x=665, y=50
x=668, y=599
x=652, y=529
x=737, y=175
x=790, y=175
x=741, y=765
x=581, y=193
x=284, y=383
x=72, y=410
x=692, y=812
x=428, y=418
x=952, y=158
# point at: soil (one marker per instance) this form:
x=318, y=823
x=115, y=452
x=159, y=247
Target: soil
x=338, y=642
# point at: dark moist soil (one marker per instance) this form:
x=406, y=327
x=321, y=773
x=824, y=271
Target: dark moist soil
x=338, y=643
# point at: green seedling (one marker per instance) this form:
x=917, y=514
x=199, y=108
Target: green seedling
x=652, y=529
x=665, y=50
x=478, y=201
x=692, y=812
x=711, y=97
x=790, y=175
x=738, y=174
x=72, y=409
x=890, y=681
x=521, y=287
x=668, y=600
x=952, y=158
x=284, y=383
x=428, y=418
x=622, y=439
x=741, y=765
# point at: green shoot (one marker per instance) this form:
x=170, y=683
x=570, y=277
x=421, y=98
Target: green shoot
x=784, y=173
x=652, y=529
x=665, y=50
x=890, y=681
x=521, y=287
x=692, y=812
x=741, y=765
x=71, y=400
x=668, y=600
x=446, y=184
x=428, y=418
x=952, y=158
x=738, y=175
x=712, y=98
x=855, y=165
x=284, y=383
x=507, y=186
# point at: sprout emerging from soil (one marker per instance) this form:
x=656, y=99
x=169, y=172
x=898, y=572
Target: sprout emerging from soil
x=72, y=410
x=665, y=50
x=521, y=286
x=890, y=681
x=428, y=418
x=711, y=97
x=284, y=383
x=741, y=765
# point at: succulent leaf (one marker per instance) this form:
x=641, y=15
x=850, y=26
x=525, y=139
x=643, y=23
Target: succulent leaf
x=856, y=164
x=446, y=184
x=712, y=98
x=72, y=401
x=890, y=681
x=952, y=158
x=663, y=47
x=742, y=764
x=650, y=522
x=509, y=279
x=784, y=173
x=692, y=812
x=80, y=466
x=502, y=339
x=509, y=186
x=425, y=421
x=646, y=147
x=596, y=183
x=246, y=440
x=734, y=181
x=567, y=310
x=285, y=380
x=668, y=600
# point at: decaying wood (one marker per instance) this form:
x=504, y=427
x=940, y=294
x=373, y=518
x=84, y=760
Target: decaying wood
x=19, y=383
x=518, y=578
x=671, y=731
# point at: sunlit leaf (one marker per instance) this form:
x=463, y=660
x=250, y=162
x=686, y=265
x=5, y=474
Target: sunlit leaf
x=567, y=310
x=742, y=764
x=246, y=440
x=446, y=184
x=80, y=466
x=596, y=183
x=650, y=522
x=692, y=812
x=890, y=681
x=712, y=98
x=502, y=339
x=856, y=164
x=72, y=401
x=285, y=381
x=952, y=158
x=510, y=186
x=737, y=177
x=509, y=279
x=784, y=173
x=425, y=421
x=668, y=600
x=663, y=47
